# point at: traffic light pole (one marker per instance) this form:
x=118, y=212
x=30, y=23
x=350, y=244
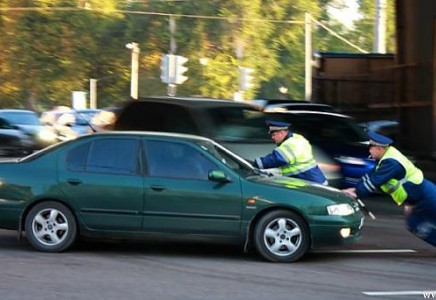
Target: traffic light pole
x=308, y=58
x=172, y=88
x=93, y=93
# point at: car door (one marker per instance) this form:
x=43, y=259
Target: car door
x=102, y=179
x=179, y=197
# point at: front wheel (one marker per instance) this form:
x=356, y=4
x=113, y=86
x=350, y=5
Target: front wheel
x=51, y=227
x=282, y=236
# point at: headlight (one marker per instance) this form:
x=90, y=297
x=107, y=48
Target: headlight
x=47, y=135
x=343, y=209
x=351, y=160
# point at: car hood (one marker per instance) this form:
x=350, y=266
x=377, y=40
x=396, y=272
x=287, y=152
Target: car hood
x=301, y=185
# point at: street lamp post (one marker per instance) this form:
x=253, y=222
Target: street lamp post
x=135, y=69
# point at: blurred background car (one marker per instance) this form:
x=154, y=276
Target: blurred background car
x=389, y=128
x=105, y=118
x=13, y=141
x=74, y=123
x=278, y=105
x=338, y=135
x=239, y=126
x=28, y=122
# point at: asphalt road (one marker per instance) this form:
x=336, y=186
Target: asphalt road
x=164, y=270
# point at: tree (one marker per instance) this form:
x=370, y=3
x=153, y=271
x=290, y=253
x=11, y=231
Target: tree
x=363, y=32
x=50, y=53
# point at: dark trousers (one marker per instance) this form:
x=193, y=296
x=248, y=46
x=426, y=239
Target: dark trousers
x=422, y=221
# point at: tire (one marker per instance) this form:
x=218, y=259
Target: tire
x=51, y=227
x=282, y=236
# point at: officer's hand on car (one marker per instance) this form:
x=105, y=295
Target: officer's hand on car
x=408, y=209
x=351, y=192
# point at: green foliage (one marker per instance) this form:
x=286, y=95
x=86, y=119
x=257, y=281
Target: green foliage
x=47, y=54
x=364, y=31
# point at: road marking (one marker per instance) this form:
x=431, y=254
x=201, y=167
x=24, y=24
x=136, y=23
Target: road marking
x=402, y=293
x=369, y=251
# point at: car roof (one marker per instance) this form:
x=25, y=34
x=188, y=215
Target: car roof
x=17, y=111
x=192, y=102
x=280, y=105
x=86, y=110
x=181, y=136
x=310, y=112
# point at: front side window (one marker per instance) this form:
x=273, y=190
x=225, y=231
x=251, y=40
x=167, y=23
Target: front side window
x=323, y=127
x=115, y=156
x=177, y=160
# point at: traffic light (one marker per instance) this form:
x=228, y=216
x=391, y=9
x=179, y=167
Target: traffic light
x=245, y=78
x=172, y=69
x=180, y=69
x=165, y=68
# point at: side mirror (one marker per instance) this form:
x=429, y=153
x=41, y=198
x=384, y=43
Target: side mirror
x=218, y=176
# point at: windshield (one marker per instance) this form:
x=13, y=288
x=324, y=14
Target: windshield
x=5, y=124
x=84, y=117
x=21, y=118
x=231, y=160
x=238, y=123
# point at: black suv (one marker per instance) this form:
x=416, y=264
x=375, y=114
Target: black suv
x=279, y=105
x=238, y=126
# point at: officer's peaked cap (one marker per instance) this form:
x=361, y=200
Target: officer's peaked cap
x=276, y=126
x=377, y=139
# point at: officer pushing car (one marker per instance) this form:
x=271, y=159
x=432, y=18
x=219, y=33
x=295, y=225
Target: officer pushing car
x=293, y=154
x=398, y=177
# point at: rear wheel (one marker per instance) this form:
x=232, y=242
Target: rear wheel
x=282, y=236
x=51, y=227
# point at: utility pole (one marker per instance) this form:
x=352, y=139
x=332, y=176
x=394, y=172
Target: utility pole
x=380, y=27
x=93, y=93
x=135, y=69
x=172, y=88
x=308, y=57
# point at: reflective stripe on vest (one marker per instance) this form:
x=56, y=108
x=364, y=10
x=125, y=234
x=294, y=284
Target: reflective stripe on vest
x=298, y=154
x=394, y=187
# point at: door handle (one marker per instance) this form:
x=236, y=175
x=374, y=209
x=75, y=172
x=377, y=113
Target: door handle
x=157, y=188
x=74, y=181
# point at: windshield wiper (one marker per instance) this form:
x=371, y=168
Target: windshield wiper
x=261, y=172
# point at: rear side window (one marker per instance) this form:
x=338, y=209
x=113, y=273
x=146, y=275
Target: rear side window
x=238, y=124
x=113, y=156
x=76, y=158
x=116, y=156
x=156, y=117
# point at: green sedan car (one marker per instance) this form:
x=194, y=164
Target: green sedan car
x=143, y=184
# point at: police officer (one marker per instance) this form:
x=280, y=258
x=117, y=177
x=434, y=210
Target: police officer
x=293, y=154
x=397, y=176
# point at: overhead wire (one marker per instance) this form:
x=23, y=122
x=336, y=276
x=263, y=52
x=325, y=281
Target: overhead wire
x=229, y=19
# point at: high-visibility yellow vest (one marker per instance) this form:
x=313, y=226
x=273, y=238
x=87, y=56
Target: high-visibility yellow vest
x=298, y=151
x=394, y=187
